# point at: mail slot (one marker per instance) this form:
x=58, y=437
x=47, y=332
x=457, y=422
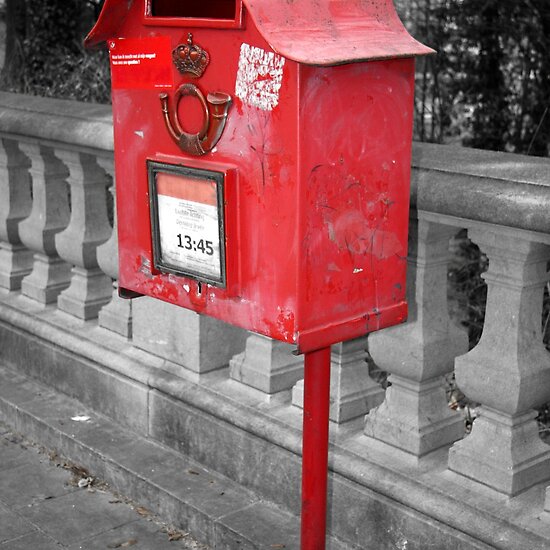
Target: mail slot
x=262, y=154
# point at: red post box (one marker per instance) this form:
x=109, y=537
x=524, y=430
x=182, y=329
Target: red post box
x=262, y=154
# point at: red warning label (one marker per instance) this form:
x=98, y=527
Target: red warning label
x=141, y=63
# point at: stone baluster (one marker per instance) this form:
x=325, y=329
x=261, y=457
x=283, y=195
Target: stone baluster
x=15, y=189
x=50, y=214
x=353, y=393
x=117, y=314
x=190, y=344
x=89, y=226
x=508, y=372
x=547, y=500
x=268, y=366
x=415, y=416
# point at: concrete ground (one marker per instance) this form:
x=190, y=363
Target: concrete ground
x=47, y=503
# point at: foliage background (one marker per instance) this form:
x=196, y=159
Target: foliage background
x=44, y=51
x=489, y=85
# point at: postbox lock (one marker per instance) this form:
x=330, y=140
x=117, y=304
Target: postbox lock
x=216, y=106
x=190, y=58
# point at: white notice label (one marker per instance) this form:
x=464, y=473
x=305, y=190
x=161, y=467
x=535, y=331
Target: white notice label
x=189, y=225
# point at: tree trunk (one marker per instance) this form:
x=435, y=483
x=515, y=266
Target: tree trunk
x=15, y=33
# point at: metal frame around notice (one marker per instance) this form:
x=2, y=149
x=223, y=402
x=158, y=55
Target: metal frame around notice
x=154, y=168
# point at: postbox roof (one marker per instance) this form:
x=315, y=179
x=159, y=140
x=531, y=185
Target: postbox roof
x=113, y=13
x=314, y=32
x=332, y=32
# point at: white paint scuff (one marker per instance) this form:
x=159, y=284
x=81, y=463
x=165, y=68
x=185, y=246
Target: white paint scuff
x=259, y=77
x=80, y=418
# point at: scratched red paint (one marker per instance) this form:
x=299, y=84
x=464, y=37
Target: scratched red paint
x=316, y=193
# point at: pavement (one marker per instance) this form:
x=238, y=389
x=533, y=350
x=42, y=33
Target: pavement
x=48, y=503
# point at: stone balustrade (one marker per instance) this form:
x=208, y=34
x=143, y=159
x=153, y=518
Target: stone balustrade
x=57, y=252
x=502, y=200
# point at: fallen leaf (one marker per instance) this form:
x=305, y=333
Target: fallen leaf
x=76, y=470
x=123, y=544
x=193, y=472
x=174, y=535
x=142, y=511
x=43, y=497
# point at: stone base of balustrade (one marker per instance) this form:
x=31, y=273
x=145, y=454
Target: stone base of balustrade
x=50, y=275
x=266, y=365
x=414, y=417
x=15, y=263
x=503, y=452
x=352, y=390
x=349, y=406
x=189, y=344
x=116, y=316
x=377, y=499
x=87, y=293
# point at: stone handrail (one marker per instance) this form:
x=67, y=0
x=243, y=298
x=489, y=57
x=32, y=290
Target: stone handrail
x=73, y=124
x=497, y=188
x=57, y=247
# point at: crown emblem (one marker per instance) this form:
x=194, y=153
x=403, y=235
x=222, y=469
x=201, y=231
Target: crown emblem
x=190, y=58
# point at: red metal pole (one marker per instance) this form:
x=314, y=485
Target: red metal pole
x=315, y=449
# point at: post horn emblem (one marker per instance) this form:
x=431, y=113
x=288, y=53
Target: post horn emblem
x=216, y=106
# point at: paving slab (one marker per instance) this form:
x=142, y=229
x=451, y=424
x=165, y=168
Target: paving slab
x=139, y=535
x=32, y=482
x=258, y=522
x=42, y=507
x=78, y=516
x=12, y=526
x=34, y=541
x=14, y=452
